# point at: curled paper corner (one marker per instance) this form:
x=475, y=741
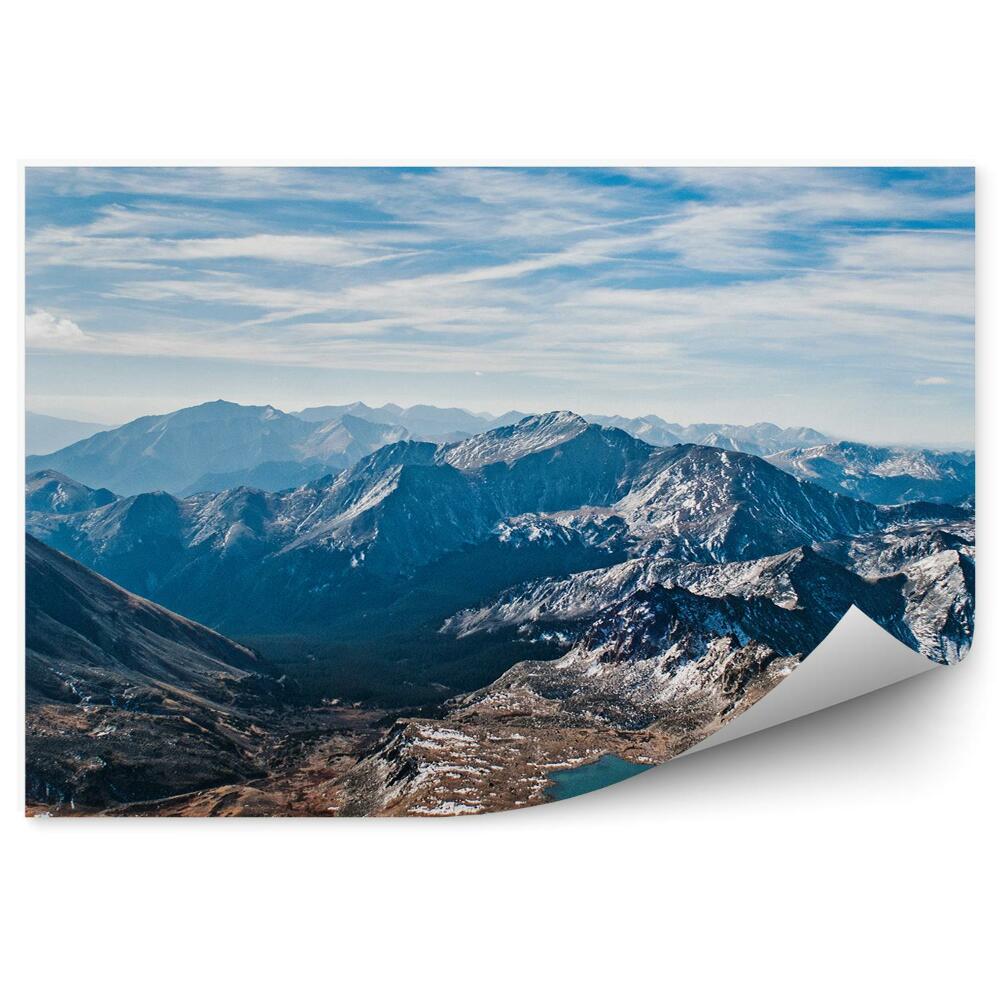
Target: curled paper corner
x=856, y=658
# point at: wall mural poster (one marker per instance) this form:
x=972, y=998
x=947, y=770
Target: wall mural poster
x=443, y=491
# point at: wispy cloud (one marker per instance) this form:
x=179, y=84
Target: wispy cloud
x=812, y=283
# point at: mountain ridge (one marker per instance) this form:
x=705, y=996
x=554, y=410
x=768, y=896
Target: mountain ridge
x=220, y=445
x=243, y=555
x=883, y=474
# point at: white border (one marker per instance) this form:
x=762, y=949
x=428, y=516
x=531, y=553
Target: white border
x=849, y=853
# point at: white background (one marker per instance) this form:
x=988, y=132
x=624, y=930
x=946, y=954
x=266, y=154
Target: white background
x=850, y=854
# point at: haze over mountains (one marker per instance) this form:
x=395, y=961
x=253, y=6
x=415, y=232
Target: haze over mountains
x=220, y=445
x=44, y=434
x=883, y=475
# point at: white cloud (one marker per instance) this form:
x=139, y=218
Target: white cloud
x=909, y=251
x=45, y=331
x=932, y=380
x=61, y=247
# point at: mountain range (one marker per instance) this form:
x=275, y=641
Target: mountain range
x=214, y=445
x=521, y=599
x=659, y=655
x=516, y=501
x=883, y=475
x=656, y=661
x=221, y=445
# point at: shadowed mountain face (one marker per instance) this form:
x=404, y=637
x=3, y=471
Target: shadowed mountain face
x=126, y=700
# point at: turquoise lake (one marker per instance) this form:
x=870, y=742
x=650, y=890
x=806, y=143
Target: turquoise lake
x=604, y=771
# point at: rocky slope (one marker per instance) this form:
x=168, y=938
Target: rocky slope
x=650, y=676
x=703, y=503
x=937, y=564
x=647, y=677
x=792, y=580
x=662, y=654
x=126, y=700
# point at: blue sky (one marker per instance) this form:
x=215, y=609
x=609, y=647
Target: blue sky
x=840, y=298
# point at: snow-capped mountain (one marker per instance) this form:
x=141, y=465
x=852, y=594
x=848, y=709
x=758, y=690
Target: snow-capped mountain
x=223, y=445
x=892, y=550
x=58, y=494
x=522, y=497
x=924, y=599
x=649, y=674
x=940, y=592
x=789, y=580
x=450, y=424
x=508, y=444
x=701, y=503
x=883, y=475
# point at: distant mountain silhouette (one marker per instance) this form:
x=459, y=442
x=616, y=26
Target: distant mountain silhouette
x=44, y=434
